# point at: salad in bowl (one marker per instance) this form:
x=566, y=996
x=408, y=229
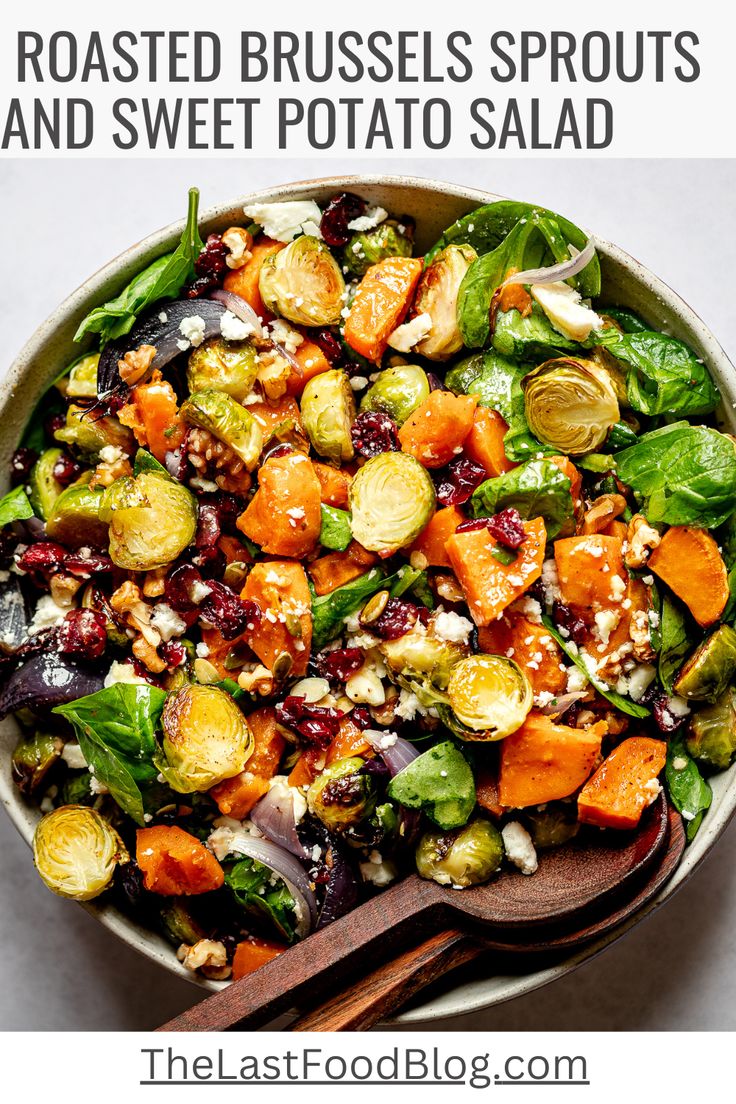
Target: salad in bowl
x=325, y=562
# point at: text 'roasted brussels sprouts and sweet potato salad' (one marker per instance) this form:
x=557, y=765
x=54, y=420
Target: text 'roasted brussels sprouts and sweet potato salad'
x=333, y=562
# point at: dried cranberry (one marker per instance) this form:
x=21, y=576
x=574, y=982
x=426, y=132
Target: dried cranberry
x=210, y=268
x=472, y=524
x=361, y=716
x=21, y=464
x=93, y=563
x=506, y=527
x=227, y=612
x=397, y=618
x=330, y=345
x=180, y=588
x=42, y=558
x=374, y=432
x=316, y=724
x=282, y=449
x=66, y=469
x=83, y=632
x=458, y=480
x=208, y=526
x=565, y=619
x=173, y=653
x=54, y=421
x=667, y=721
x=340, y=664
x=341, y=210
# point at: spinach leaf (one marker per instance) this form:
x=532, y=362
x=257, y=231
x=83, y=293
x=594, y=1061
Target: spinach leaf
x=461, y=377
x=486, y=227
x=330, y=610
x=115, y=728
x=440, y=783
x=620, y=436
x=689, y=792
x=532, y=336
x=251, y=884
x=687, y=474
x=628, y=321
x=163, y=279
x=676, y=641
x=144, y=461
x=726, y=538
x=335, y=532
x=665, y=376
x=633, y=709
x=536, y=489
x=231, y=687
x=14, y=506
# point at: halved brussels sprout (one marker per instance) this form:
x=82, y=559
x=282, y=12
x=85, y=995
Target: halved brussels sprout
x=709, y=670
x=489, y=695
x=152, y=520
x=391, y=499
x=371, y=246
x=303, y=283
x=466, y=857
x=87, y=434
x=206, y=738
x=398, y=391
x=33, y=757
x=711, y=736
x=422, y=661
x=328, y=412
x=229, y=366
x=45, y=489
x=341, y=796
x=436, y=296
x=554, y=825
x=81, y=382
x=179, y=926
x=76, y=851
x=75, y=518
x=570, y=404
x=226, y=420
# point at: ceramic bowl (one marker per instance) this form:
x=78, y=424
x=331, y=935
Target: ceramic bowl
x=434, y=205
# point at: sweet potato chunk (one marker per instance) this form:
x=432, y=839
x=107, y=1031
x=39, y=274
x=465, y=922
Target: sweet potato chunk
x=591, y=571
x=432, y=539
x=337, y=568
x=490, y=585
x=434, y=434
x=284, y=516
x=689, y=562
x=253, y=953
x=544, y=761
x=175, y=863
x=281, y=591
x=624, y=784
x=236, y=796
x=529, y=645
x=381, y=302
x=484, y=443
x=244, y=281
x=335, y=484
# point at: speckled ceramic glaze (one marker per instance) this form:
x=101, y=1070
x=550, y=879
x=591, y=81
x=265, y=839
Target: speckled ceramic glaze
x=434, y=205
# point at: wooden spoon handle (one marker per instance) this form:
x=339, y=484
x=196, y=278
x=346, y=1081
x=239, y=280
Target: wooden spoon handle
x=326, y=960
x=389, y=987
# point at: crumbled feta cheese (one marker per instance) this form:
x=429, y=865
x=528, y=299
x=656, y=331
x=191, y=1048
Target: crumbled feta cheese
x=408, y=706
x=46, y=615
x=110, y=454
x=550, y=581
x=380, y=872
x=233, y=328
x=576, y=680
x=379, y=739
x=358, y=383
x=605, y=622
x=679, y=762
x=405, y=337
x=192, y=328
x=286, y=795
x=451, y=626
x=374, y=216
x=529, y=608
x=73, y=756
x=97, y=787
x=519, y=847
x=618, y=588
x=202, y=650
x=199, y=591
x=566, y=311
x=543, y=698
x=678, y=706
x=636, y=683
x=123, y=672
x=286, y=335
x=283, y=221
x=167, y=621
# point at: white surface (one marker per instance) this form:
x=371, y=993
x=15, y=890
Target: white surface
x=62, y=971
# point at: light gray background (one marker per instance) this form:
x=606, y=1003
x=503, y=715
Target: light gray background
x=62, y=220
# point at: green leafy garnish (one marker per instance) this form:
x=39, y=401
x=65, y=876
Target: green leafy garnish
x=676, y=641
x=633, y=709
x=144, y=461
x=14, y=506
x=665, y=376
x=536, y=489
x=263, y=897
x=440, y=783
x=689, y=792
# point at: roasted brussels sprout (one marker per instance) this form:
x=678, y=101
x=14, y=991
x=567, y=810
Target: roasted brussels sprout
x=398, y=391
x=88, y=434
x=76, y=851
x=436, y=296
x=489, y=695
x=82, y=380
x=570, y=404
x=391, y=499
x=152, y=520
x=33, y=757
x=229, y=366
x=178, y=924
x=421, y=660
x=227, y=420
x=466, y=857
x=711, y=735
x=342, y=796
x=328, y=412
x=75, y=518
x=303, y=283
x=709, y=670
x=45, y=489
x=390, y=239
x=76, y=789
x=554, y=825
x=206, y=738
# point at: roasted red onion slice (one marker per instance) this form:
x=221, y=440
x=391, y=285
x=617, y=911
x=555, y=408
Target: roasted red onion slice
x=274, y=817
x=562, y=271
x=45, y=681
x=397, y=755
x=287, y=867
x=240, y=308
x=562, y=703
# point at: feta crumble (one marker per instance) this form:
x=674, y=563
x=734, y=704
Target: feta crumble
x=405, y=337
x=519, y=847
x=283, y=221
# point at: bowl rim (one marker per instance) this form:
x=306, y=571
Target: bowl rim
x=463, y=998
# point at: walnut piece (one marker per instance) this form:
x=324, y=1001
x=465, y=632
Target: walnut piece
x=641, y=637
x=641, y=538
x=207, y=454
x=239, y=243
x=602, y=512
x=208, y=955
x=136, y=363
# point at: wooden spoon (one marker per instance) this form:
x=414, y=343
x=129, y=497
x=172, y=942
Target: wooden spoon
x=589, y=871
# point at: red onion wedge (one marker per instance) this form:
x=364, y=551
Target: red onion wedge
x=286, y=866
x=240, y=308
x=561, y=704
x=274, y=816
x=562, y=271
x=396, y=755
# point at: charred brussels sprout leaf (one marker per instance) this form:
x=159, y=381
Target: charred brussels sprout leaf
x=371, y=246
x=86, y=434
x=228, y=421
x=398, y=391
x=437, y=296
x=335, y=530
x=466, y=857
x=536, y=489
x=75, y=518
x=665, y=376
x=206, y=739
x=489, y=695
x=689, y=792
x=328, y=412
x=342, y=795
x=553, y=826
x=76, y=851
x=422, y=662
x=152, y=519
x=178, y=924
x=82, y=380
x=265, y=900
x=391, y=499
x=303, y=283
x=570, y=405
x=44, y=487
x=711, y=736
x=14, y=506
x=33, y=757
x=219, y=365
x=710, y=668
x=440, y=783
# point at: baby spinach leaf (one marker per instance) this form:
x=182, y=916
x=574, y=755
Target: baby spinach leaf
x=144, y=461
x=620, y=436
x=162, y=279
x=676, y=641
x=461, y=377
x=115, y=728
x=628, y=321
x=440, y=783
x=665, y=376
x=529, y=337
x=335, y=531
x=252, y=885
x=689, y=792
x=536, y=489
x=330, y=610
x=632, y=708
x=14, y=506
